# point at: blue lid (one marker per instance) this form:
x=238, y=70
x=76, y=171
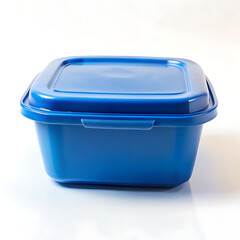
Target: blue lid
x=121, y=92
x=131, y=85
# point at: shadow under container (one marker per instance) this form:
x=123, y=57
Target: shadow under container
x=120, y=120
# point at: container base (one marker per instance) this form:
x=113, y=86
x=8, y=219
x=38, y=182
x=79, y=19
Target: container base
x=79, y=184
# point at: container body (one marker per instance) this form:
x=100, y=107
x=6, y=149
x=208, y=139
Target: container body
x=120, y=120
x=161, y=156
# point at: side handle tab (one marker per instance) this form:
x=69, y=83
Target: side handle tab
x=118, y=124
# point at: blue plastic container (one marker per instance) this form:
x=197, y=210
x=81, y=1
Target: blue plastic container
x=120, y=120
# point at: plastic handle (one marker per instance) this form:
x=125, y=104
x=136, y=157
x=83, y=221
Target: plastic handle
x=118, y=124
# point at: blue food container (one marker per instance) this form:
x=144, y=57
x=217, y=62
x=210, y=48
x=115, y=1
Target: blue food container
x=120, y=120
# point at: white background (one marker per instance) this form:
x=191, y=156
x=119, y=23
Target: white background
x=33, y=33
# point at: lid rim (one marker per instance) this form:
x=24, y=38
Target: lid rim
x=72, y=118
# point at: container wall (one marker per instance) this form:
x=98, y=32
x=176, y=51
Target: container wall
x=162, y=156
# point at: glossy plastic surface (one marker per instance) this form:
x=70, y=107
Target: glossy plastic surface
x=121, y=85
x=120, y=120
x=67, y=117
x=161, y=156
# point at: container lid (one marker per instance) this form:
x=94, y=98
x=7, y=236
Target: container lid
x=129, y=85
